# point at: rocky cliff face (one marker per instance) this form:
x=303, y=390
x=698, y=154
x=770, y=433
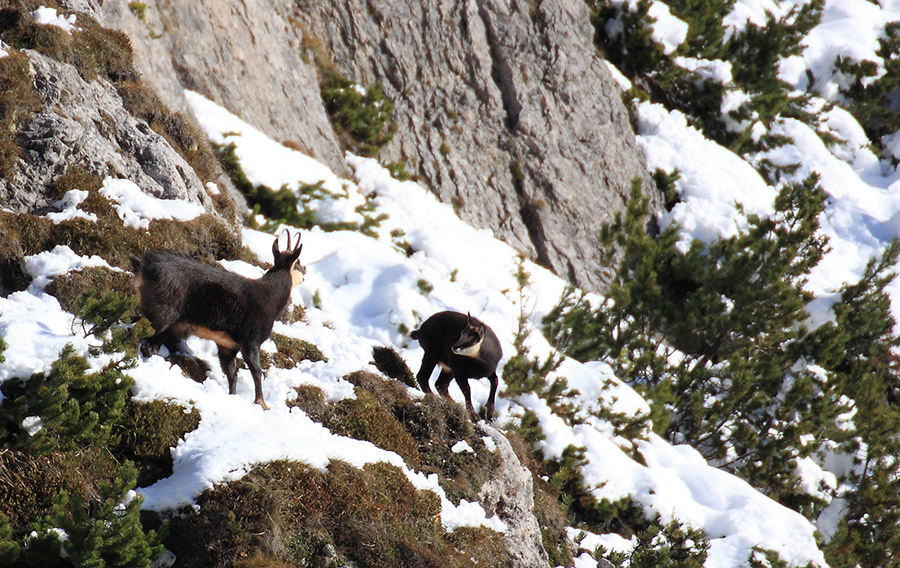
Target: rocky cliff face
x=503, y=108
x=84, y=124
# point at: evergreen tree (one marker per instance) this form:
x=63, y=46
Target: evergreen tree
x=624, y=32
x=108, y=536
x=65, y=409
x=860, y=351
x=68, y=409
x=872, y=98
x=712, y=336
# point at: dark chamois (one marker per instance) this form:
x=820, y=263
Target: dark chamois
x=465, y=348
x=181, y=296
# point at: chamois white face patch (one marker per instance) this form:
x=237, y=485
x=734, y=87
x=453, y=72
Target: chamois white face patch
x=469, y=350
x=297, y=272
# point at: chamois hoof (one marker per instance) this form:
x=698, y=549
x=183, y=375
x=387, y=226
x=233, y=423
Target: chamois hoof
x=148, y=349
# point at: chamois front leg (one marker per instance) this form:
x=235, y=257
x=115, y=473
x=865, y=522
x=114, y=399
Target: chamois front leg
x=467, y=394
x=489, y=409
x=251, y=357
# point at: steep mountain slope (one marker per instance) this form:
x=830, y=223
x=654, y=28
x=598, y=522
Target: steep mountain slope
x=350, y=466
x=503, y=109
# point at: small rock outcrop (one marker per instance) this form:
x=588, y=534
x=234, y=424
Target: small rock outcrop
x=84, y=124
x=509, y=493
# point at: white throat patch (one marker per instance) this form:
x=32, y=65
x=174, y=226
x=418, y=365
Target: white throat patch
x=296, y=275
x=470, y=351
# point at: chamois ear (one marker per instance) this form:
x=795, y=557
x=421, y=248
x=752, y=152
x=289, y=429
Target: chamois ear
x=275, y=250
x=296, y=254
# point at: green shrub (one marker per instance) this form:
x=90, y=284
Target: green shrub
x=754, y=53
x=660, y=545
x=108, y=535
x=362, y=119
x=28, y=482
x=734, y=311
x=67, y=408
x=870, y=99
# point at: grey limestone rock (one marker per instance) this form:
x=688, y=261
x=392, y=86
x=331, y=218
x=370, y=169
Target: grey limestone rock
x=245, y=56
x=510, y=495
x=505, y=110
x=502, y=108
x=84, y=124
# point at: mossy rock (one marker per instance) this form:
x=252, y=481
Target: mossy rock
x=28, y=484
x=205, y=238
x=422, y=432
x=148, y=431
x=292, y=351
x=311, y=400
x=287, y=513
x=366, y=418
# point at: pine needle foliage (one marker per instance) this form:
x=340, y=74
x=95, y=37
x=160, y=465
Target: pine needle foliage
x=664, y=545
x=624, y=32
x=69, y=410
x=64, y=409
x=361, y=116
x=715, y=337
x=710, y=334
x=860, y=351
x=872, y=96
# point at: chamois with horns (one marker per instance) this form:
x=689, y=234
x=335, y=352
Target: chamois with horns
x=465, y=348
x=181, y=296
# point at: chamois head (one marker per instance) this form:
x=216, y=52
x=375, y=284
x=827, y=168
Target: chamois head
x=470, y=339
x=288, y=259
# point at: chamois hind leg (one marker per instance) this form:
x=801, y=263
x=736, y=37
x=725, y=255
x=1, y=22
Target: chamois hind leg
x=443, y=382
x=428, y=364
x=150, y=346
x=467, y=394
x=229, y=366
x=251, y=357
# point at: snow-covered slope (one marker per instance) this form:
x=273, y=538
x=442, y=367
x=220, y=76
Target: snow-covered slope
x=368, y=290
x=362, y=291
